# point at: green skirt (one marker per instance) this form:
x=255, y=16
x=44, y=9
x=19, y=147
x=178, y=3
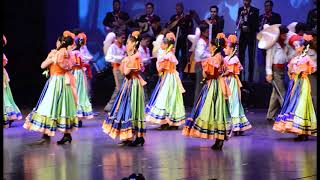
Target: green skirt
x=55, y=110
x=84, y=108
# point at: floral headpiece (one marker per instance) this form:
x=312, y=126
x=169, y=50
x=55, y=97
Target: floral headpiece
x=82, y=37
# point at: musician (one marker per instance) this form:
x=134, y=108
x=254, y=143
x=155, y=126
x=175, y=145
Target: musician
x=269, y=17
x=180, y=19
x=312, y=18
x=275, y=70
x=248, y=23
x=216, y=21
x=152, y=20
x=116, y=21
x=201, y=52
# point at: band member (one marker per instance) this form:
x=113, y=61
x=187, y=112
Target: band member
x=166, y=103
x=11, y=111
x=231, y=70
x=185, y=24
x=115, y=53
x=248, y=23
x=126, y=118
x=312, y=18
x=276, y=59
x=210, y=118
x=216, y=21
x=116, y=21
x=297, y=114
x=269, y=17
x=57, y=105
x=202, y=52
x=150, y=21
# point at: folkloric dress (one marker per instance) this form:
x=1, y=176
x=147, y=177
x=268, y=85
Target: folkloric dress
x=10, y=109
x=166, y=102
x=233, y=67
x=84, y=108
x=126, y=118
x=297, y=114
x=56, y=108
x=210, y=117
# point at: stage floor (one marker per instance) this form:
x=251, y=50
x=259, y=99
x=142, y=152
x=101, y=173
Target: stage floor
x=261, y=154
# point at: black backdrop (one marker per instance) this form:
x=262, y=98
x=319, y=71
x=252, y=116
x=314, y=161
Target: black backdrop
x=31, y=28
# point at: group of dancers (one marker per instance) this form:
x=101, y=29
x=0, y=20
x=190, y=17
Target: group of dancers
x=217, y=112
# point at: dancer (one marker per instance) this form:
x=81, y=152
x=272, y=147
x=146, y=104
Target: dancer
x=144, y=52
x=126, y=118
x=56, y=108
x=166, y=102
x=210, y=117
x=232, y=68
x=84, y=108
x=114, y=54
x=11, y=111
x=297, y=114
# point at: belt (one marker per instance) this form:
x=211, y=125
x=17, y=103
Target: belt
x=279, y=66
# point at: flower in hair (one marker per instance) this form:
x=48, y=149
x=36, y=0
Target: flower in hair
x=232, y=38
x=220, y=36
x=83, y=37
x=170, y=36
x=135, y=34
x=68, y=33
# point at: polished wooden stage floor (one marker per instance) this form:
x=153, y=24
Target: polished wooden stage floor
x=261, y=154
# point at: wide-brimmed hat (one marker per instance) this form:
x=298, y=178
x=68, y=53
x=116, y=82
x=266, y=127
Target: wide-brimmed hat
x=268, y=36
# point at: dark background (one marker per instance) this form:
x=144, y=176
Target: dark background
x=31, y=29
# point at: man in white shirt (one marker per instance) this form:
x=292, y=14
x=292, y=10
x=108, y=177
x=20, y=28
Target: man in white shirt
x=115, y=54
x=201, y=52
x=276, y=59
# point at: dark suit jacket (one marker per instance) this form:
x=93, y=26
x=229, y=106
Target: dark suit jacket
x=275, y=18
x=218, y=26
x=253, y=19
x=110, y=18
x=186, y=25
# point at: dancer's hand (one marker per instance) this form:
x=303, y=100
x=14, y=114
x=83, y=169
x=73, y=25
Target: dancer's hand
x=269, y=78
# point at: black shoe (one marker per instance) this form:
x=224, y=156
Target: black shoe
x=219, y=145
x=214, y=145
x=236, y=133
x=125, y=143
x=66, y=138
x=173, y=127
x=10, y=122
x=80, y=123
x=299, y=138
x=240, y=133
x=137, y=141
x=44, y=140
x=163, y=127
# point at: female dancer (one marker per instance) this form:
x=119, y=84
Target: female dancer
x=297, y=114
x=11, y=111
x=84, y=108
x=232, y=68
x=166, y=102
x=126, y=118
x=210, y=117
x=56, y=108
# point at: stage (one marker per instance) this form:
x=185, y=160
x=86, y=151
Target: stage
x=260, y=154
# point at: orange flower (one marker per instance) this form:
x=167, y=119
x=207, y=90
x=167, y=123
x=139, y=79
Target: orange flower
x=171, y=36
x=220, y=36
x=83, y=36
x=307, y=37
x=135, y=34
x=232, y=38
x=68, y=33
